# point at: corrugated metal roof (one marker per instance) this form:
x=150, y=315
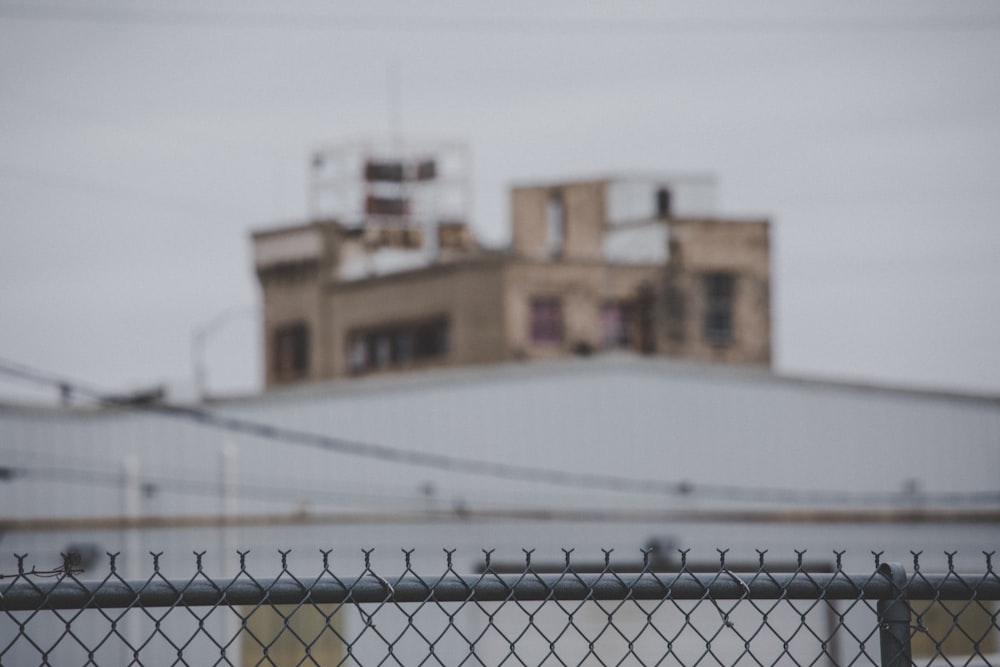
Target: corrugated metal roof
x=607, y=362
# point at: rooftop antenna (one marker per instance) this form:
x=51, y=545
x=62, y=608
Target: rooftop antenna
x=396, y=193
x=394, y=104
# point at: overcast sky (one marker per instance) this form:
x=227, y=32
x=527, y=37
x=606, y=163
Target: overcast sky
x=140, y=143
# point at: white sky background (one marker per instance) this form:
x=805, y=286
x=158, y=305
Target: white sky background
x=141, y=142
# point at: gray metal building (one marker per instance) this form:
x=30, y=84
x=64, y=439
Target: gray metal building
x=608, y=452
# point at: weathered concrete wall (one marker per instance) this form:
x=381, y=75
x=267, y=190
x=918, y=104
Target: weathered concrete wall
x=584, y=208
x=486, y=298
x=292, y=266
x=468, y=294
x=581, y=287
x=699, y=247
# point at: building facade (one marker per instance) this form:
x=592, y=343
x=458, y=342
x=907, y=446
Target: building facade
x=593, y=265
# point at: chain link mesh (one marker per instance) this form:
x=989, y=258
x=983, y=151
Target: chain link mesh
x=597, y=613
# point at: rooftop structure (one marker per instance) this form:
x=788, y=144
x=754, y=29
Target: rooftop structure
x=396, y=280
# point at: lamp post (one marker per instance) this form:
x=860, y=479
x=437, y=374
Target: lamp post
x=200, y=335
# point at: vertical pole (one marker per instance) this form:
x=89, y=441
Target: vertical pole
x=229, y=507
x=131, y=512
x=894, y=619
x=394, y=106
x=832, y=626
x=198, y=363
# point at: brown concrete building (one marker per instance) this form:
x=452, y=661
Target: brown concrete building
x=593, y=266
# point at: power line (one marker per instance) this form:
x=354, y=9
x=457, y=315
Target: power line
x=504, y=25
x=493, y=469
x=81, y=470
x=156, y=484
x=91, y=187
x=744, y=516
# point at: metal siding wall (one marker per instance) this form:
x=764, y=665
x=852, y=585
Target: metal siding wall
x=633, y=419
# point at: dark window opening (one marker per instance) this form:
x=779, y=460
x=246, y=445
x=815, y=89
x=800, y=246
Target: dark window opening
x=719, y=289
x=546, y=321
x=430, y=340
x=663, y=203
x=397, y=345
x=395, y=171
x=291, y=352
x=393, y=206
x=391, y=171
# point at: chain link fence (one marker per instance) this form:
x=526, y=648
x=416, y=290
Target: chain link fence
x=648, y=611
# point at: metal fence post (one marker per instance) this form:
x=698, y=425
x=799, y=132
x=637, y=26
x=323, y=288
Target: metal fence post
x=894, y=619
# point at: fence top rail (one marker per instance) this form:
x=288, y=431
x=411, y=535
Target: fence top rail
x=68, y=592
x=659, y=576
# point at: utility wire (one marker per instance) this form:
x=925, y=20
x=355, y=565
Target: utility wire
x=497, y=24
x=299, y=494
x=179, y=481
x=157, y=485
x=447, y=463
x=103, y=190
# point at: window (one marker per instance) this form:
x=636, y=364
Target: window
x=719, y=288
x=398, y=344
x=403, y=344
x=546, y=321
x=555, y=224
x=663, y=203
x=383, y=350
x=291, y=351
x=358, y=356
x=431, y=340
x=615, y=317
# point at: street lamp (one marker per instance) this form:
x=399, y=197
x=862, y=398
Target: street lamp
x=199, y=336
